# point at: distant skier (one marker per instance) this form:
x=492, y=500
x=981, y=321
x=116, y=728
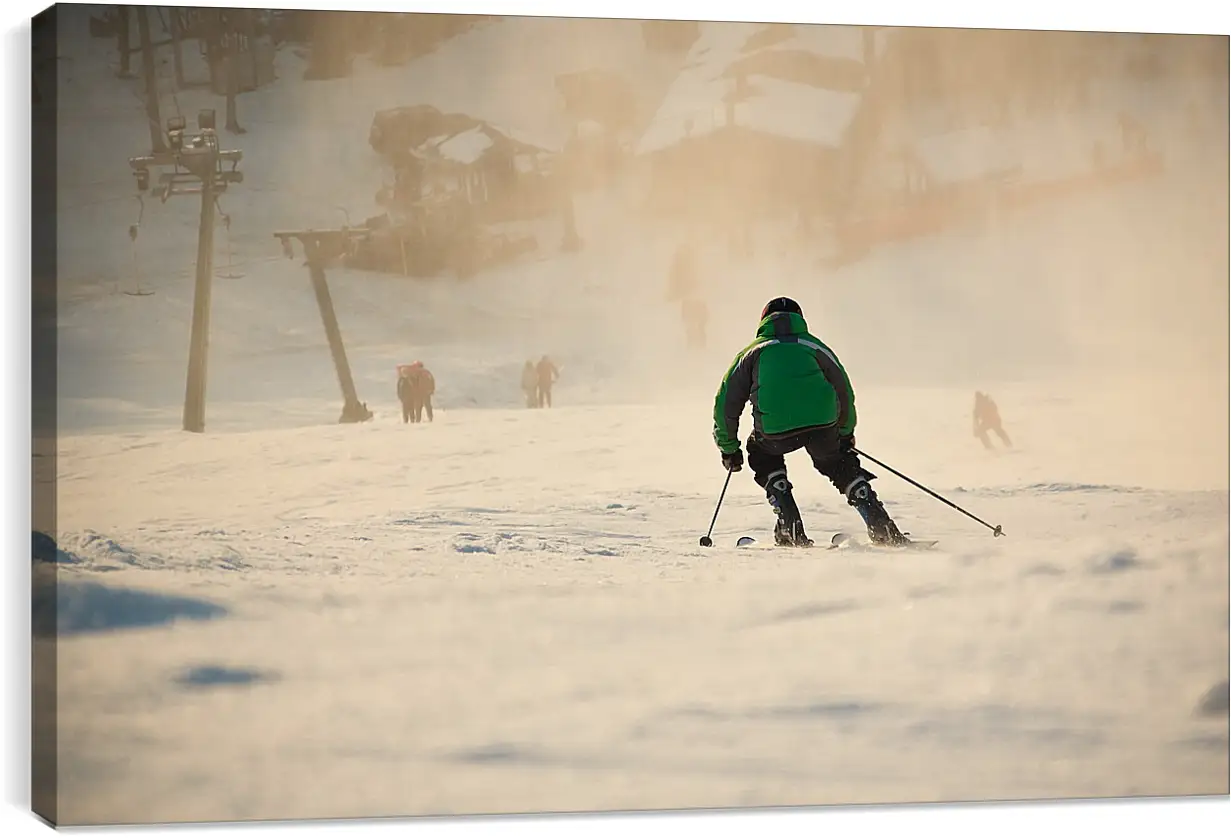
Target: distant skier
x=425, y=388
x=801, y=398
x=547, y=374
x=695, y=314
x=682, y=279
x=987, y=419
x=416, y=385
x=530, y=384
x=404, y=392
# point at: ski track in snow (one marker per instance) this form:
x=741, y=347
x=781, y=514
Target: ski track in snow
x=507, y=610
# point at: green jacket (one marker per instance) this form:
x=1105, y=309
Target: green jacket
x=793, y=381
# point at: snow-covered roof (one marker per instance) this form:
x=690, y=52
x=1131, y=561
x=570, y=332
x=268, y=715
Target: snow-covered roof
x=1040, y=148
x=782, y=108
x=553, y=144
x=797, y=111
x=844, y=43
x=692, y=107
x=1036, y=149
x=466, y=147
x=694, y=104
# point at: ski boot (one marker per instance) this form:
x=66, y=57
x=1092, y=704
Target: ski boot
x=789, y=531
x=881, y=528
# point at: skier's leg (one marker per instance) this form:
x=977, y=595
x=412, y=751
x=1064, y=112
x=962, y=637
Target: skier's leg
x=547, y=395
x=766, y=460
x=854, y=482
x=427, y=405
x=1004, y=437
x=405, y=413
x=987, y=443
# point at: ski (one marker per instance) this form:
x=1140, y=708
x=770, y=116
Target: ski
x=840, y=540
x=844, y=539
x=746, y=541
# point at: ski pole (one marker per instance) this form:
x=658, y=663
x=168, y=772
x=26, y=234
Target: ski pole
x=996, y=530
x=706, y=541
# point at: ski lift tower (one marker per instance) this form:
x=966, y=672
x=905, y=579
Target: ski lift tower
x=321, y=247
x=196, y=163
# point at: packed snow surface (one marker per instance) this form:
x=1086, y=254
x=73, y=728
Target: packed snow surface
x=507, y=610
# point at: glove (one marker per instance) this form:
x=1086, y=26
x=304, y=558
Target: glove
x=846, y=443
x=733, y=461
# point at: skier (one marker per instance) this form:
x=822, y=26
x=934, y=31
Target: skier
x=987, y=418
x=695, y=315
x=425, y=388
x=548, y=374
x=682, y=278
x=416, y=392
x=530, y=384
x=405, y=395
x=801, y=398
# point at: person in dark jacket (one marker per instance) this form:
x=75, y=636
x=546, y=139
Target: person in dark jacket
x=548, y=374
x=530, y=384
x=801, y=398
x=416, y=385
x=404, y=391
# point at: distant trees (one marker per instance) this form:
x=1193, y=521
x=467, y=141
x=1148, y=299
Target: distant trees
x=227, y=37
x=230, y=38
x=336, y=38
x=233, y=43
x=149, y=71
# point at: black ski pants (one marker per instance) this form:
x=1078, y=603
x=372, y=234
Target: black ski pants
x=767, y=456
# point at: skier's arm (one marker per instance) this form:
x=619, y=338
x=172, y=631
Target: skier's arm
x=733, y=394
x=841, y=384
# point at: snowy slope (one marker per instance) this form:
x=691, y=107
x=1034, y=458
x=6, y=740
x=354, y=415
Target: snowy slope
x=507, y=610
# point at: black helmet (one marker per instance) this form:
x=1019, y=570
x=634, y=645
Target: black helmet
x=778, y=304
